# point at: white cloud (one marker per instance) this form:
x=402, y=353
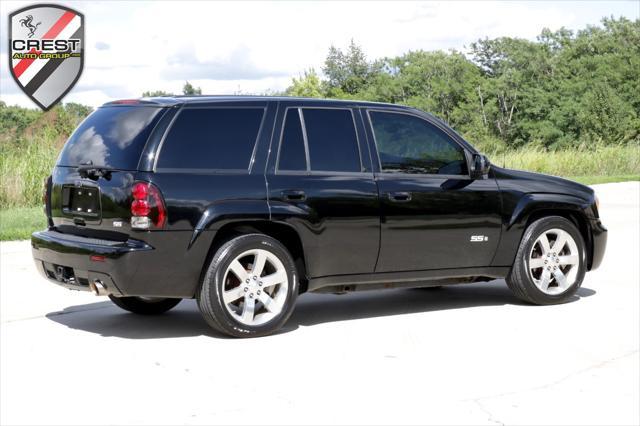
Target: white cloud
x=228, y=47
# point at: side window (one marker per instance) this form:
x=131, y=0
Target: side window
x=211, y=138
x=292, y=155
x=410, y=144
x=332, y=140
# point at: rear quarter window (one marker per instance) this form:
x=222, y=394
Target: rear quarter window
x=111, y=137
x=211, y=138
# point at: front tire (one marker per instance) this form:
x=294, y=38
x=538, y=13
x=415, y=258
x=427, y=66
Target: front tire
x=145, y=305
x=250, y=287
x=550, y=263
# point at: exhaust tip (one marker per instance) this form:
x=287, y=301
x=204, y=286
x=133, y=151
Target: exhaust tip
x=98, y=288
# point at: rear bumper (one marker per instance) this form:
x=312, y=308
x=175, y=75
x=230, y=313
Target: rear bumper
x=66, y=260
x=599, y=243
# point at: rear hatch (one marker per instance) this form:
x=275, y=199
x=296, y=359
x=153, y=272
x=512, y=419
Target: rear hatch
x=90, y=190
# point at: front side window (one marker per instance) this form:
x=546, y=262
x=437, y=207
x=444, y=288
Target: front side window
x=212, y=138
x=332, y=140
x=409, y=144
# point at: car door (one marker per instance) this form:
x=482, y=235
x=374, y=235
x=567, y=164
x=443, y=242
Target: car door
x=434, y=216
x=320, y=183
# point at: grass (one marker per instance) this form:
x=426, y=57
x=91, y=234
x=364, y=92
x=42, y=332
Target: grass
x=593, y=180
x=23, y=166
x=18, y=223
x=597, y=161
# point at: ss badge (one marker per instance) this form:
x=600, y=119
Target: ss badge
x=479, y=238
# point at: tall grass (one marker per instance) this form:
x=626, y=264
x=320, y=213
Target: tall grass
x=25, y=164
x=23, y=167
x=599, y=161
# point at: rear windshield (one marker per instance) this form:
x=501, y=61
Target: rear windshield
x=111, y=137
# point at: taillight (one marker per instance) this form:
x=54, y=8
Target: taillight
x=45, y=194
x=147, y=207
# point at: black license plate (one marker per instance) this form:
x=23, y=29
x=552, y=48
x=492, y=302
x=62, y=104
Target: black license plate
x=81, y=201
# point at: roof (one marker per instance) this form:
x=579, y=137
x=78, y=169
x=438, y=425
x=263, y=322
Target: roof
x=179, y=100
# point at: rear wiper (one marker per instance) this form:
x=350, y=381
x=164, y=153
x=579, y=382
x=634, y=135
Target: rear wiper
x=95, y=172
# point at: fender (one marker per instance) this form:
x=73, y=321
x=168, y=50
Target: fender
x=220, y=213
x=528, y=205
x=531, y=203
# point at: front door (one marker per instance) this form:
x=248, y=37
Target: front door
x=434, y=216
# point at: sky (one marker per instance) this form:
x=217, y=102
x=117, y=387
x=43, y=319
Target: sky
x=255, y=47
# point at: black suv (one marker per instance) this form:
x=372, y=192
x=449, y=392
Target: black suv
x=246, y=202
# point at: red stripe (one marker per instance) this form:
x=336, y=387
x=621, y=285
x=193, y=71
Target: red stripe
x=53, y=32
x=59, y=26
x=23, y=64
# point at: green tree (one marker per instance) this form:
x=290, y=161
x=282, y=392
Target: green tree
x=347, y=72
x=155, y=93
x=188, y=89
x=307, y=85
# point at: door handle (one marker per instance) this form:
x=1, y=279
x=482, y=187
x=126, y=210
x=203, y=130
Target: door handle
x=400, y=197
x=294, y=195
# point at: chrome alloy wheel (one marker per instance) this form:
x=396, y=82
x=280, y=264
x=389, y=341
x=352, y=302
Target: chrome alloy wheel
x=554, y=261
x=255, y=287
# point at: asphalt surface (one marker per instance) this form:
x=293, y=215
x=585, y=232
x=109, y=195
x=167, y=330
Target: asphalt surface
x=468, y=354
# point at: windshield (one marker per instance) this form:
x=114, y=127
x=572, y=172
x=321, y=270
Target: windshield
x=111, y=137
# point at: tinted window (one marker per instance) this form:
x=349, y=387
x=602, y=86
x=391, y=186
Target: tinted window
x=211, y=138
x=409, y=144
x=111, y=137
x=292, y=152
x=331, y=136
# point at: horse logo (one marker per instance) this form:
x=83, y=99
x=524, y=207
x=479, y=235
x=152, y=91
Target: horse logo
x=26, y=22
x=46, y=57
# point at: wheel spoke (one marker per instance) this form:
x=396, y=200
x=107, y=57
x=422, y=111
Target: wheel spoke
x=561, y=240
x=568, y=260
x=234, y=294
x=258, y=263
x=255, y=301
x=536, y=262
x=276, y=278
x=248, y=309
x=238, y=270
x=269, y=303
x=560, y=279
x=544, y=279
x=544, y=243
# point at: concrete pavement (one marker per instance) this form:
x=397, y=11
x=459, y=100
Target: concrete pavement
x=468, y=354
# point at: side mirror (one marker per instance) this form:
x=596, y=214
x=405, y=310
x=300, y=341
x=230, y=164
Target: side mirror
x=480, y=166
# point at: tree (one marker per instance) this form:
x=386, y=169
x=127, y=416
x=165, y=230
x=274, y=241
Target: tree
x=188, y=89
x=347, y=72
x=307, y=85
x=155, y=93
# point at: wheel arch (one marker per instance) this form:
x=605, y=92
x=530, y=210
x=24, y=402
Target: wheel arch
x=284, y=233
x=532, y=207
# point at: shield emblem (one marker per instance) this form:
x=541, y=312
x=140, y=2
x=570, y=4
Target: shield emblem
x=46, y=51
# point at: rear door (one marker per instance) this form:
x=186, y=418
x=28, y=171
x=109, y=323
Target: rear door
x=434, y=215
x=91, y=182
x=321, y=183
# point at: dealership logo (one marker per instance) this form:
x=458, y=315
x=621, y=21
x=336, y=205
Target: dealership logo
x=46, y=51
x=26, y=22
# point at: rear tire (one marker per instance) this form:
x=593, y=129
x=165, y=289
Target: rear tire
x=250, y=287
x=550, y=263
x=145, y=306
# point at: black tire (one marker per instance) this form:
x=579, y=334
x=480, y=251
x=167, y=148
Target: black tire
x=209, y=296
x=519, y=279
x=142, y=306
